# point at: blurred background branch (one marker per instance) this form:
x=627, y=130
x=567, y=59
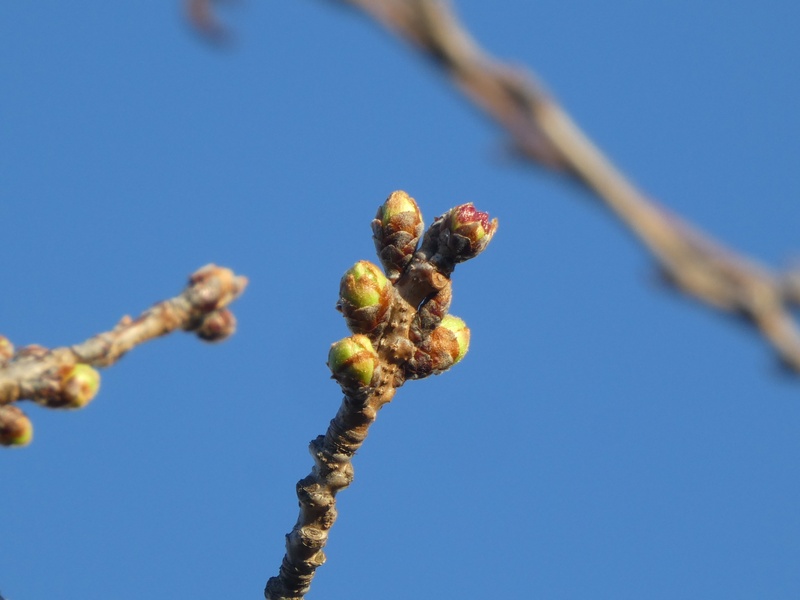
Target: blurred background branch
x=65, y=378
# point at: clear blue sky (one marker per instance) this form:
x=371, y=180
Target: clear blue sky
x=604, y=438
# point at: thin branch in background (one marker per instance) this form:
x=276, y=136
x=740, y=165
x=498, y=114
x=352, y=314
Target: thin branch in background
x=202, y=16
x=546, y=136
x=65, y=377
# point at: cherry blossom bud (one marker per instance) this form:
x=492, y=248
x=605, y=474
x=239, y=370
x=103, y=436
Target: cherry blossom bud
x=365, y=296
x=444, y=347
x=460, y=333
x=79, y=386
x=353, y=361
x=470, y=230
x=396, y=230
x=16, y=429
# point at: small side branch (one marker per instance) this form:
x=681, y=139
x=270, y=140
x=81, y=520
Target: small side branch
x=65, y=378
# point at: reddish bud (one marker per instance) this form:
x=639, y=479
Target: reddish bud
x=79, y=386
x=444, y=347
x=470, y=230
x=217, y=326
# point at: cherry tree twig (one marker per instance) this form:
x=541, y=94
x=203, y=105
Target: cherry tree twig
x=64, y=377
x=545, y=135
x=402, y=331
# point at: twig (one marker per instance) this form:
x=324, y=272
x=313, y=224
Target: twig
x=402, y=332
x=544, y=134
x=45, y=375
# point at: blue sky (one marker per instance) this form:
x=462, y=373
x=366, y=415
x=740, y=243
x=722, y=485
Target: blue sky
x=604, y=437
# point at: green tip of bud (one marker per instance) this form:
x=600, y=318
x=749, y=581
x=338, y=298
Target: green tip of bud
x=397, y=204
x=15, y=428
x=22, y=438
x=353, y=360
x=363, y=285
x=461, y=333
x=79, y=386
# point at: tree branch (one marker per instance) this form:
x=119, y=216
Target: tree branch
x=63, y=378
x=545, y=135
x=402, y=331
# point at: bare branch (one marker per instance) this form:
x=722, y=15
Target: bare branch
x=545, y=135
x=62, y=377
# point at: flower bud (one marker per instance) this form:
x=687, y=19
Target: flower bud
x=470, y=231
x=353, y=361
x=79, y=386
x=396, y=230
x=16, y=428
x=444, y=347
x=217, y=326
x=460, y=333
x=364, y=297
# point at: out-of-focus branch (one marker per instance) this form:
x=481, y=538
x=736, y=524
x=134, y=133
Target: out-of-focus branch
x=202, y=17
x=544, y=133
x=64, y=377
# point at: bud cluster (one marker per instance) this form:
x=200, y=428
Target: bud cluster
x=444, y=347
x=417, y=283
x=217, y=326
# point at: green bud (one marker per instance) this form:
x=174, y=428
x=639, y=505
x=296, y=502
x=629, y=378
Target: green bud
x=460, y=333
x=363, y=285
x=79, y=386
x=16, y=428
x=400, y=212
x=353, y=360
x=445, y=346
x=396, y=230
x=365, y=296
